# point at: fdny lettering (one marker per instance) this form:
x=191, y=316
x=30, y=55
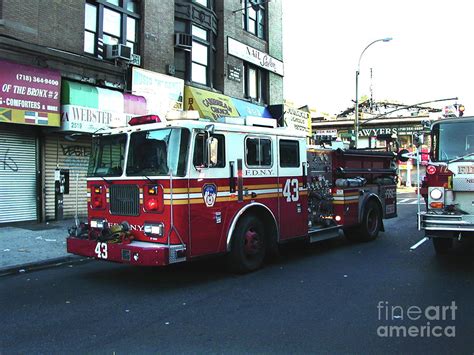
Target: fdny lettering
x=133, y=227
x=466, y=169
x=258, y=172
x=136, y=227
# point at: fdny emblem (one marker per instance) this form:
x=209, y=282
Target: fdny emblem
x=209, y=194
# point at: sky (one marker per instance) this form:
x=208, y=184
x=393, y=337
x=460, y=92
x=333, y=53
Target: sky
x=431, y=56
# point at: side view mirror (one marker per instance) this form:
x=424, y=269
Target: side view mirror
x=212, y=147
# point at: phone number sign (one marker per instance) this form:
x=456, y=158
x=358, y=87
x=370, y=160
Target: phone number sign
x=29, y=95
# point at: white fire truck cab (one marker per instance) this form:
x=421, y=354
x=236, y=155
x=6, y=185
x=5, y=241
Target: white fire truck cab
x=171, y=191
x=448, y=187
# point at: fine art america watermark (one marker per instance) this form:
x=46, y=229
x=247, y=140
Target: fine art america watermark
x=416, y=321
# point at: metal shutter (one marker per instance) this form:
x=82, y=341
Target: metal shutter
x=18, y=165
x=73, y=156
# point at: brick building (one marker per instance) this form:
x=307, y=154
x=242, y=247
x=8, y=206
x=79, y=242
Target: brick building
x=71, y=67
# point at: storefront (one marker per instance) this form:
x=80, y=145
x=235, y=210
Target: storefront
x=85, y=109
x=29, y=100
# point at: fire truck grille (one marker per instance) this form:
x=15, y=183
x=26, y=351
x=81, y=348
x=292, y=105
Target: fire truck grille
x=124, y=200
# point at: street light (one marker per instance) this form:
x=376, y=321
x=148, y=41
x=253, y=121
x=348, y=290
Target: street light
x=356, y=121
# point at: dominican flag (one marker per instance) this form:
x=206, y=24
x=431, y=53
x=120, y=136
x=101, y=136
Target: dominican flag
x=36, y=117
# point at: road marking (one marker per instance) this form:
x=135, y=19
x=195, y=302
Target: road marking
x=407, y=201
x=413, y=247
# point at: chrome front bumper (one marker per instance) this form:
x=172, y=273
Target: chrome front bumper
x=432, y=221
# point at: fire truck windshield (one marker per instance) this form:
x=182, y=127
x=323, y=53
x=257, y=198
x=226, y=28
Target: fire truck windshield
x=156, y=152
x=108, y=153
x=453, y=140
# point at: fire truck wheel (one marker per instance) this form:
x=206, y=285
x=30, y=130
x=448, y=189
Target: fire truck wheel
x=248, y=245
x=370, y=225
x=442, y=245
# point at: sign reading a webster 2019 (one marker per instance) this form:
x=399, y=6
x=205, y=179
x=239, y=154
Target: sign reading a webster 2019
x=29, y=95
x=254, y=56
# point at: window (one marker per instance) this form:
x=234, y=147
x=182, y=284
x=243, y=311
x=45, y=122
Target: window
x=107, y=157
x=196, y=24
x=289, y=154
x=113, y=21
x=199, y=149
x=258, y=152
x=206, y=3
x=201, y=2
x=255, y=83
x=157, y=152
x=253, y=18
x=90, y=28
x=200, y=56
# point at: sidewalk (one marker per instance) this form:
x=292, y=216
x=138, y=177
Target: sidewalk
x=29, y=245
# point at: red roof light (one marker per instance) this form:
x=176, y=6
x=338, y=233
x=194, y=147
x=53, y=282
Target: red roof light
x=430, y=169
x=144, y=120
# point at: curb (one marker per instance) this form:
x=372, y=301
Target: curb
x=41, y=265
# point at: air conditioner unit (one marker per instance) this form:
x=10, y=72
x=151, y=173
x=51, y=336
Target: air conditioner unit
x=118, y=51
x=183, y=41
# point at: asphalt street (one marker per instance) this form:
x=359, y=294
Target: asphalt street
x=333, y=297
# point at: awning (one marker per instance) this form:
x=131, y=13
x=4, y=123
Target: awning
x=87, y=108
x=209, y=104
x=249, y=109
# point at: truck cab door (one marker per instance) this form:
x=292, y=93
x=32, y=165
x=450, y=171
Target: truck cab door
x=292, y=198
x=206, y=183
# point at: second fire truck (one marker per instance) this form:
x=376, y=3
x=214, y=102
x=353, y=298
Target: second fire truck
x=448, y=187
x=171, y=191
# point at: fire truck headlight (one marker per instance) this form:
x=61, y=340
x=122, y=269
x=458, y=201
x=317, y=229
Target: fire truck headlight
x=436, y=194
x=154, y=229
x=98, y=223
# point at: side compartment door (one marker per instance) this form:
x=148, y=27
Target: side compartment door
x=207, y=200
x=292, y=199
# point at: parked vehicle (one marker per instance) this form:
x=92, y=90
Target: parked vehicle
x=162, y=192
x=448, y=187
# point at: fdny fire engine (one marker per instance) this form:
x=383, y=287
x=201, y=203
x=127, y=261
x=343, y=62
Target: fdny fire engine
x=448, y=187
x=167, y=191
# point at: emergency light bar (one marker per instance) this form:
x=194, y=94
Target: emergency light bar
x=144, y=120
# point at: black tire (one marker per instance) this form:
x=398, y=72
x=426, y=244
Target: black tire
x=248, y=246
x=442, y=245
x=370, y=225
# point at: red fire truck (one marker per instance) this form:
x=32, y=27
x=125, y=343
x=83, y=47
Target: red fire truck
x=161, y=192
x=448, y=187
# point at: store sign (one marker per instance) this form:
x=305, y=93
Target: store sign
x=245, y=108
x=209, y=104
x=398, y=131
x=254, y=56
x=87, y=119
x=234, y=73
x=298, y=120
x=29, y=95
x=326, y=132
x=163, y=93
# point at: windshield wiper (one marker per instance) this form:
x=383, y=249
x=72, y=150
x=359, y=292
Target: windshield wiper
x=461, y=157
x=103, y=178
x=150, y=180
